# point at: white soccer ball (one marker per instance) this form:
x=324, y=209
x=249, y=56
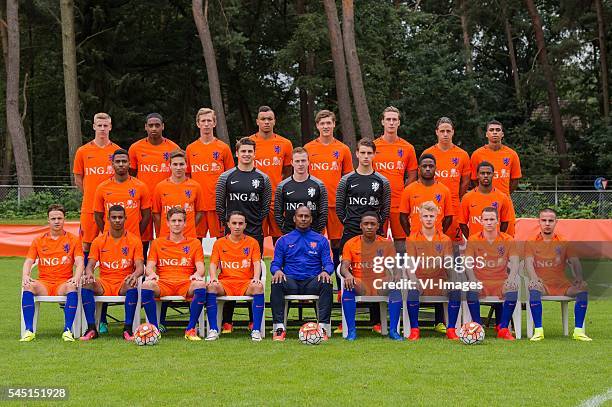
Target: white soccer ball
x=311, y=333
x=146, y=334
x=471, y=333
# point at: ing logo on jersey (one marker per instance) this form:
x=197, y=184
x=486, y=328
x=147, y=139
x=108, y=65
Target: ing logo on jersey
x=336, y=154
x=501, y=250
x=255, y=183
x=494, y=204
x=215, y=155
x=375, y=186
x=186, y=249
x=166, y=155
x=400, y=152
x=311, y=192
x=246, y=251
x=506, y=161
x=455, y=161
x=132, y=192
x=124, y=250
x=276, y=148
x=188, y=193
x=66, y=247
x=438, y=197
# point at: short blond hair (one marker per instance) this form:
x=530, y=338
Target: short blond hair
x=323, y=114
x=429, y=206
x=391, y=109
x=102, y=116
x=205, y=110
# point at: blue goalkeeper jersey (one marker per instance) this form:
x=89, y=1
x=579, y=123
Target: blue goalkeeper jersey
x=302, y=255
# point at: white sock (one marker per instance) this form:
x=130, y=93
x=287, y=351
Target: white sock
x=276, y=326
x=327, y=328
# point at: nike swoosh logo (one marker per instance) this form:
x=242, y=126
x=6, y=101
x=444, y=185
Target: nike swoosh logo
x=473, y=205
x=109, y=193
x=289, y=193
x=164, y=194
x=353, y=186
x=104, y=250
x=233, y=182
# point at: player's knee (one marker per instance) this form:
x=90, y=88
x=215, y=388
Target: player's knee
x=535, y=295
x=454, y=295
x=149, y=285
x=582, y=296
x=511, y=296
x=256, y=289
x=198, y=284
x=70, y=288
x=472, y=296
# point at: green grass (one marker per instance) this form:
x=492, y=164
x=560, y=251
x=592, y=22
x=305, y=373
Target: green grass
x=372, y=370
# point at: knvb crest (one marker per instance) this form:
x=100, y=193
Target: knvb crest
x=400, y=152
x=313, y=245
x=506, y=161
x=501, y=250
x=124, y=250
x=455, y=161
x=438, y=248
x=215, y=155
x=276, y=149
x=245, y=251
x=311, y=192
x=375, y=186
x=66, y=247
x=132, y=192
x=188, y=193
x=110, y=158
x=379, y=252
x=255, y=183
x=438, y=198
x=558, y=250
x=186, y=249
x=336, y=154
x=494, y=204
x=166, y=155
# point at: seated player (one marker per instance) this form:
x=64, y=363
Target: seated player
x=359, y=277
x=237, y=258
x=546, y=256
x=302, y=265
x=57, y=252
x=179, y=270
x=121, y=263
x=493, y=253
x=432, y=245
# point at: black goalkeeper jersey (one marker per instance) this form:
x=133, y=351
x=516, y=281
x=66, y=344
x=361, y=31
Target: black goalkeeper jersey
x=358, y=194
x=291, y=194
x=249, y=192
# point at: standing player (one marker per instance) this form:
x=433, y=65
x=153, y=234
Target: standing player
x=273, y=158
x=178, y=191
x=207, y=158
x=126, y=191
x=92, y=166
x=150, y=163
x=494, y=253
x=452, y=169
x=178, y=262
x=363, y=190
x=300, y=189
x=238, y=260
x=426, y=189
x=396, y=160
x=430, y=242
x=301, y=266
x=246, y=189
x=546, y=256
x=505, y=161
x=359, y=278
x=57, y=252
x=330, y=159
x=121, y=263
x=482, y=196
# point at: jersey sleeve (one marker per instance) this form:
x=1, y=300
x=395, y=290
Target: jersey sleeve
x=404, y=206
x=466, y=167
x=228, y=159
x=341, y=198
x=279, y=205
x=220, y=195
x=214, y=256
x=411, y=160
x=326, y=260
x=449, y=210
x=152, y=255
x=33, y=250
x=94, y=251
x=474, y=161
x=347, y=161
x=386, y=206
x=198, y=252
x=199, y=204
x=145, y=197
x=138, y=253
x=156, y=200
x=515, y=169
x=288, y=153
x=323, y=206
x=133, y=154
x=187, y=161
x=464, y=210
x=255, y=252
x=504, y=212
x=99, y=199
x=78, y=166
x=267, y=197
x=78, y=246
x=347, y=252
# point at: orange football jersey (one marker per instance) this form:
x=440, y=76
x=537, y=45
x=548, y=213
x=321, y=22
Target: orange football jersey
x=55, y=256
x=441, y=246
x=494, y=255
x=506, y=165
x=151, y=161
x=235, y=259
x=329, y=162
x=393, y=161
x=116, y=257
x=549, y=258
x=451, y=165
x=475, y=201
x=95, y=165
x=187, y=195
x=362, y=262
x=417, y=193
x=175, y=261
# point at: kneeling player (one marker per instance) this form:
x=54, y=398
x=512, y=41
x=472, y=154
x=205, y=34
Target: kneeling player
x=358, y=273
x=546, y=255
x=432, y=249
x=57, y=252
x=493, y=253
x=179, y=270
x=237, y=257
x=121, y=263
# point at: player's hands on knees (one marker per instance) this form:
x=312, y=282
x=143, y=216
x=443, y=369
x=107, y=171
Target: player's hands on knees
x=87, y=278
x=581, y=285
x=278, y=277
x=324, y=277
x=536, y=285
x=27, y=281
x=256, y=281
x=132, y=280
x=73, y=281
x=152, y=277
x=510, y=286
x=349, y=282
x=196, y=277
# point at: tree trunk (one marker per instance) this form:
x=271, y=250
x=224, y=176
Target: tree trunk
x=354, y=69
x=469, y=65
x=511, y=52
x=342, y=87
x=13, y=118
x=71, y=87
x=201, y=20
x=603, y=58
x=551, y=87
x=306, y=68
x=7, y=159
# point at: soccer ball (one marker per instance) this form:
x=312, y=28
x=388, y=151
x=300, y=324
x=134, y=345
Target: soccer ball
x=311, y=334
x=471, y=333
x=146, y=334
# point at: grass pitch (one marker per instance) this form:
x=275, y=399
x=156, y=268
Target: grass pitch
x=373, y=370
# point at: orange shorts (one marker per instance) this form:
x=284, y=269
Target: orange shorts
x=52, y=286
x=334, y=227
x=234, y=287
x=210, y=223
x=397, y=231
x=492, y=288
x=88, y=229
x=173, y=287
x=111, y=286
x=269, y=226
x=431, y=288
x=557, y=287
x=454, y=231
